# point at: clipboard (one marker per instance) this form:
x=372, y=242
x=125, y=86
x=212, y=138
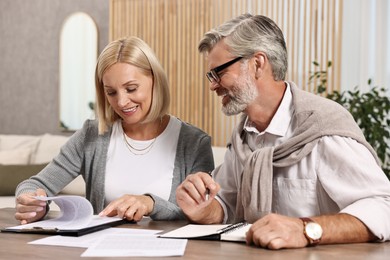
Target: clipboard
x=75, y=219
x=66, y=232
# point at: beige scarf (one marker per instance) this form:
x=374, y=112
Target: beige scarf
x=313, y=118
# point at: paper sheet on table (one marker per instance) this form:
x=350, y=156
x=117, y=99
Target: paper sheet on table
x=88, y=240
x=135, y=245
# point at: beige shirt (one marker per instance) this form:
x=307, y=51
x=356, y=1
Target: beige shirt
x=339, y=175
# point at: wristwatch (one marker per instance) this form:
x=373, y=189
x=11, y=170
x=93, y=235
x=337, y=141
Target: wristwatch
x=312, y=231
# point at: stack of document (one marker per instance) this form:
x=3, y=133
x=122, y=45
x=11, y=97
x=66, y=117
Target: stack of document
x=76, y=219
x=76, y=226
x=120, y=242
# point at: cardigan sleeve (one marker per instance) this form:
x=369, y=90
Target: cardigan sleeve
x=65, y=167
x=193, y=154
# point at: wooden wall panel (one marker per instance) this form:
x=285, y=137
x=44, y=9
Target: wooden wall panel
x=173, y=28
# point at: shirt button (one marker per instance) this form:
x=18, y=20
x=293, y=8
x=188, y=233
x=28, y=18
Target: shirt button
x=259, y=142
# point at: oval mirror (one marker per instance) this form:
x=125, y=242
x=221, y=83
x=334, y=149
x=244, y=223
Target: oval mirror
x=78, y=54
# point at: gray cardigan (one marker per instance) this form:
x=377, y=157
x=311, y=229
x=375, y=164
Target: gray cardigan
x=86, y=153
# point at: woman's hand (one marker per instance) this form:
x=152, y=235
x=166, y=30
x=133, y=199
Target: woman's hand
x=29, y=209
x=130, y=207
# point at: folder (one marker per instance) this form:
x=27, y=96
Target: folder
x=228, y=232
x=75, y=219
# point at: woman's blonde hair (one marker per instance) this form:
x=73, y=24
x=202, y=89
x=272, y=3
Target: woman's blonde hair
x=136, y=52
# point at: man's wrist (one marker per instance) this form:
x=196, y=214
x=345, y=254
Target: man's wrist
x=212, y=214
x=312, y=231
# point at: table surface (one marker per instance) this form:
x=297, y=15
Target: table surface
x=14, y=246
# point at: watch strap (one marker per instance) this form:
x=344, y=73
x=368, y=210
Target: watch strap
x=311, y=242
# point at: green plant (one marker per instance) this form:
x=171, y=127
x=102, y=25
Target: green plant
x=91, y=105
x=371, y=111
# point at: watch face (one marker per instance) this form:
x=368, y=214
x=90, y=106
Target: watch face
x=313, y=230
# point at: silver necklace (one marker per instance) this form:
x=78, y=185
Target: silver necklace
x=140, y=151
x=136, y=150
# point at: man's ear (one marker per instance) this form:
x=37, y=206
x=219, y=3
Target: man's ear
x=259, y=64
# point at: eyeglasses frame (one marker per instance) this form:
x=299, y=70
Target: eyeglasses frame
x=213, y=76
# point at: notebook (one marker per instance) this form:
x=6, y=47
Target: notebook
x=228, y=232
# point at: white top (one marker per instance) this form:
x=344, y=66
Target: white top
x=127, y=173
x=339, y=175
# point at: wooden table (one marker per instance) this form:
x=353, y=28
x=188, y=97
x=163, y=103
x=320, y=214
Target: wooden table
x=14, y=246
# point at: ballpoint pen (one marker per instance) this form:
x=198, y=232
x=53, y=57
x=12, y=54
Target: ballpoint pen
x=207, y=189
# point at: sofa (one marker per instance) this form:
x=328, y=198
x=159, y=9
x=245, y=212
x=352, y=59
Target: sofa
x=22, y=156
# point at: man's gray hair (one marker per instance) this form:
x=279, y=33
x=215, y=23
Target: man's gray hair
x=247, y=34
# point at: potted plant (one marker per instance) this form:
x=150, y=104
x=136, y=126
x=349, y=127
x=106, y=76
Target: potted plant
x=371, y=111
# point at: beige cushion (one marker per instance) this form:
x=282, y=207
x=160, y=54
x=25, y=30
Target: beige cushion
x=16, y=156
x=25, y=155
x=76, y=187
x=48, y=147
x=7, y=202
x=10, y=142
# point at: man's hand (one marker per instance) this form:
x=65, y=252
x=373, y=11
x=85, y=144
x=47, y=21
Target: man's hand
x=29, y=209
x=276, y=231
x=195, y=196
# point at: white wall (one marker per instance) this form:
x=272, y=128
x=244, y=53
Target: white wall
x=29, y=64
x=365, y=44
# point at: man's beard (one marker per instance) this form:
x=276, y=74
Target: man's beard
x=242, y=94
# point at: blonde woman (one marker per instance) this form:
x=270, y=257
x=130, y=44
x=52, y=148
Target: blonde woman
x=135, y=154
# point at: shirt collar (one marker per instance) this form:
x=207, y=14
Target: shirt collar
x=280, y=121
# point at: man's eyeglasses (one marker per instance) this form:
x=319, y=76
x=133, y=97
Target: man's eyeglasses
x=213, y=76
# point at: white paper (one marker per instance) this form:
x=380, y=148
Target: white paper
x=89, y=239
x=75, y=210
x=194, y=231
x=135, y=245
x=199, y=231
x=76, y=213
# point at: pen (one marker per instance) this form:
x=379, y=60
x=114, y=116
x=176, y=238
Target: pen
x=207, y=189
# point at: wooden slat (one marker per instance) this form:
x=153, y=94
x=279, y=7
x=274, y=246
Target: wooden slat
x=173, y=29
x=337, y=50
